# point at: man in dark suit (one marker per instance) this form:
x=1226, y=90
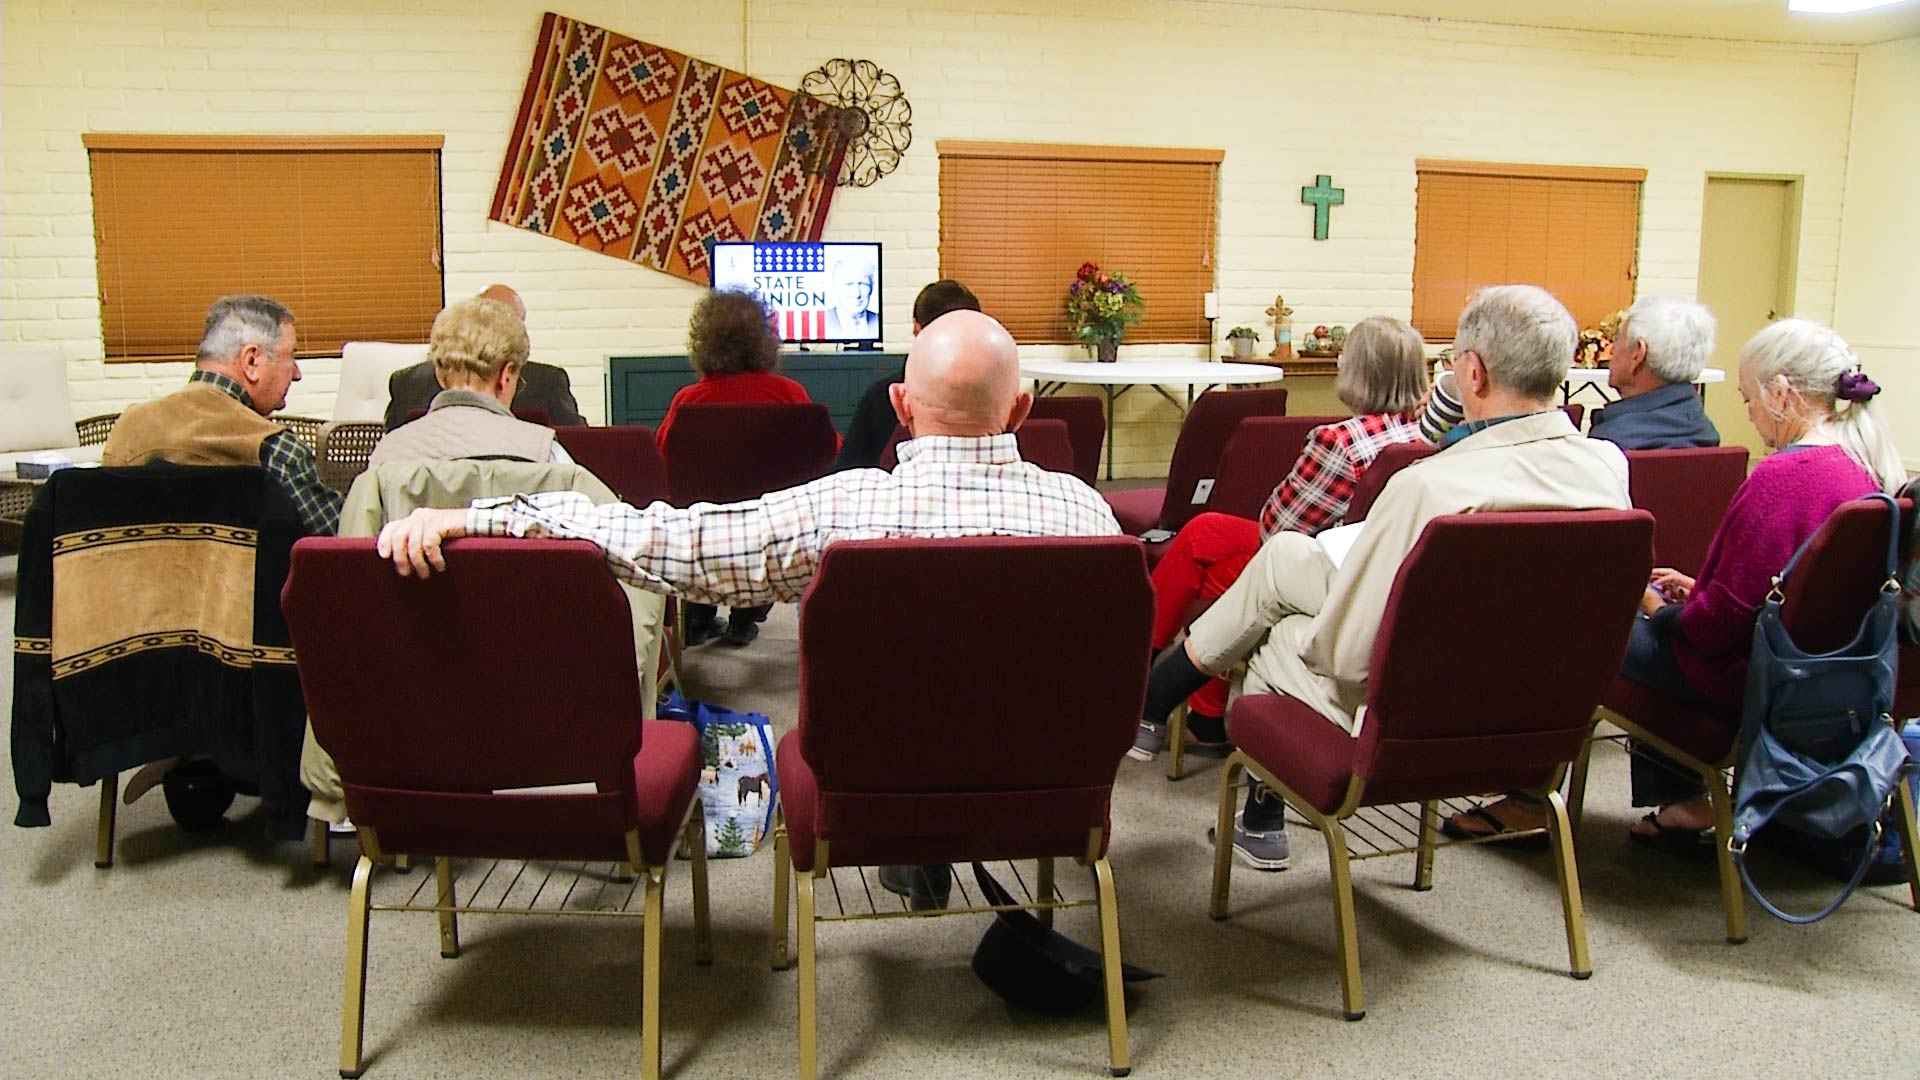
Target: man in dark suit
x=542, y=386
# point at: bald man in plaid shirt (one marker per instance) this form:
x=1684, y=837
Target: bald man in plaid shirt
x=960, y=475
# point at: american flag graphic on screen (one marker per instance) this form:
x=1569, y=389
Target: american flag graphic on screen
x=802, y=314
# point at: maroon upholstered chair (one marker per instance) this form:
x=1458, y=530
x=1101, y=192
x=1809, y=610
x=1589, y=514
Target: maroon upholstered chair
x=1046, y=443
x=1432, y=730
x=1822, y=606
x=1211, y=422
x=531, y=416
x=1259, y=456
x=726, y=453
x=1015, y=740
x=626, y=458
x=1086, y=429
x=432, y=737
x=1687, y=492
x=1391, y=460
x=1575, y=413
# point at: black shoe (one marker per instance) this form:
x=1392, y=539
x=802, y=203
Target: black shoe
x=741, y=630
x=927, y=888
x=701, y=630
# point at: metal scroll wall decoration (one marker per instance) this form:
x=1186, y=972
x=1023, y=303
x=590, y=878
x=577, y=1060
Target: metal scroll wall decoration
x=861, y=85
x=648, y=155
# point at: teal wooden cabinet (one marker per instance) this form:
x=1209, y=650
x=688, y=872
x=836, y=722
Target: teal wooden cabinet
x=641, y=387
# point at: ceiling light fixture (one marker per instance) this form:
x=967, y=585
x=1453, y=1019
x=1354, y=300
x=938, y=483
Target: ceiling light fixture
x=1837, y=7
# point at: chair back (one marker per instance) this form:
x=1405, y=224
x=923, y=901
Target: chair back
x=1086, y=420
x=1840, y=576
x=1486, y=679
x=1259, y=456
x=365, y=367
x=36, y=409
x=436, y=714
x=1687, y=492
x=626, y=457
x=1046, y=443
x=1211, y=422
x=1575, y=413
x=1390, y=460
x=978, y=720
x=726, y=453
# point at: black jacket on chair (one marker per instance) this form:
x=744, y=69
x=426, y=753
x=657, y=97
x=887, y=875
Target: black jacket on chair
x=542, y=386
x=170, y=641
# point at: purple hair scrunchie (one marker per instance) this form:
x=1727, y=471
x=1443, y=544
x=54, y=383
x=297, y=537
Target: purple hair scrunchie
x=1855, y=386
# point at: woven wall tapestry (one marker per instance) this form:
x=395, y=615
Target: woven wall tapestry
x=646, y=154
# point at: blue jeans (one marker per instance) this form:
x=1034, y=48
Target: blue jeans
x=1657, y=778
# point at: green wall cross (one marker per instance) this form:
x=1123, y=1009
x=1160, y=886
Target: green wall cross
x=1323, y=197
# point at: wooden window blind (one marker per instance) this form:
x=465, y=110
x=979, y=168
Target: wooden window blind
x=343, y=230
x=1018, y=219
x=1570, y=230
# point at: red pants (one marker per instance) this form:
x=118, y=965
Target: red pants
x=1200, y=563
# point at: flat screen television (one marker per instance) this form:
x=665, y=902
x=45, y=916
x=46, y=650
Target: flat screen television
x=824, y=292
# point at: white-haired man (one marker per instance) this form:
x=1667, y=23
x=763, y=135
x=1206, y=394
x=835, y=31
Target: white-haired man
x=1661, y=348
x=1305, y=627
x=241, y=374
x=852, y=317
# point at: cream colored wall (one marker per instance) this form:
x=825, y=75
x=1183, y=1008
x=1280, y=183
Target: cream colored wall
x=1287, y=93
x=1878, y=300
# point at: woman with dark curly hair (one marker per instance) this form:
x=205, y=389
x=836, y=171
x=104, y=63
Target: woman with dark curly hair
x=734, y=350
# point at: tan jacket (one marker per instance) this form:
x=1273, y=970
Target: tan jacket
x=464, y=424
x=1537, y=462
x=197, y=425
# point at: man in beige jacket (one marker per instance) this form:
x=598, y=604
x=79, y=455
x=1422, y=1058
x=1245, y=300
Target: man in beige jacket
x=1304, y=622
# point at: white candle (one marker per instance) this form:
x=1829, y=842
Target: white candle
x=1213, y=305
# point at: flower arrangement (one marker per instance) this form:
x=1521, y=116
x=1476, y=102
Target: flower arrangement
x=1595, y=347
x=1100, y=307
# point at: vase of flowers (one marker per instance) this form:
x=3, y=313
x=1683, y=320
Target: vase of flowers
x=1100, y=307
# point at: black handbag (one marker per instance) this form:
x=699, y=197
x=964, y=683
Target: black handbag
x=1033, y=966
x=1819, y=751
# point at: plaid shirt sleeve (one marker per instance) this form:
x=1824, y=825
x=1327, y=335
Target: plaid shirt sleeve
x=752, y=552
x=1317, y=490
x=289, y=461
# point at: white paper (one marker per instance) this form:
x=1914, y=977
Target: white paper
x=584, y=787
x=1202, y=490
x=1339, y=540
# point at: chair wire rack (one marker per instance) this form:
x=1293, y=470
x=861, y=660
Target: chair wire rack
x=858, y=894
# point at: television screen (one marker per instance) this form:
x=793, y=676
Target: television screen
x=826, y=292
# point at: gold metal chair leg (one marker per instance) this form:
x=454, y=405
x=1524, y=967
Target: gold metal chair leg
x=1730, y=897
x=1118, y=1063
x=1352, y=998
x=1577, y=787
x=656, y=887
x=1423, y=858
x=809, y=1021
x=702, y=923
x=1043, y=887
x=353, y=1002
x=322, y=849
x=1567, y=870
x=781, y=868
x=109, y=810
x=444, y=900
x=1903, y=819
x=1223, y=836
x=1177, y=743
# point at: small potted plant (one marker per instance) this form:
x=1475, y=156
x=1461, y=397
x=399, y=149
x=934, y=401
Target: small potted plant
x=1242, y=339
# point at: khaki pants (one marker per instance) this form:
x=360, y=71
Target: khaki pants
x=648, y=609
x=1265, y=619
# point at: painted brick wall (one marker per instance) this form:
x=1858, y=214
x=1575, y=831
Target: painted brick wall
x=1286, y=93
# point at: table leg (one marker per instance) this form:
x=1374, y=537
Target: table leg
x=1108, y=389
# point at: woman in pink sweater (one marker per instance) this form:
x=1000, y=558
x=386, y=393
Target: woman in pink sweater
x=1812, y=407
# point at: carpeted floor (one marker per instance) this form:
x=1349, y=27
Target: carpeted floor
x=221, y=957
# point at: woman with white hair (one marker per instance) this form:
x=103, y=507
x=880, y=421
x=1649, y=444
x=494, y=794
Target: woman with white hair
x=1813, y=408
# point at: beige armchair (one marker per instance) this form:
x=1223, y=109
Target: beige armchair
x=36, y=414
x=360, y=407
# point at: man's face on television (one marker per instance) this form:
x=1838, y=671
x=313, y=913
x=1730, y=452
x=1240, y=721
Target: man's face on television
x=852, y=285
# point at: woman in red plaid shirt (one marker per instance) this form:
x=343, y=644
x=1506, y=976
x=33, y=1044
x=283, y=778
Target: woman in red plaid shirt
x=1383, y=374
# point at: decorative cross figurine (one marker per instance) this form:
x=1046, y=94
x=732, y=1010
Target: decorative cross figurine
x=1282, y=328
x=1323, y=196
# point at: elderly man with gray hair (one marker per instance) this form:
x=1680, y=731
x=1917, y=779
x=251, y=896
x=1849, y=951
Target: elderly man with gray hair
x=1304, y=618
x=241, y=374
x=1660, y=349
